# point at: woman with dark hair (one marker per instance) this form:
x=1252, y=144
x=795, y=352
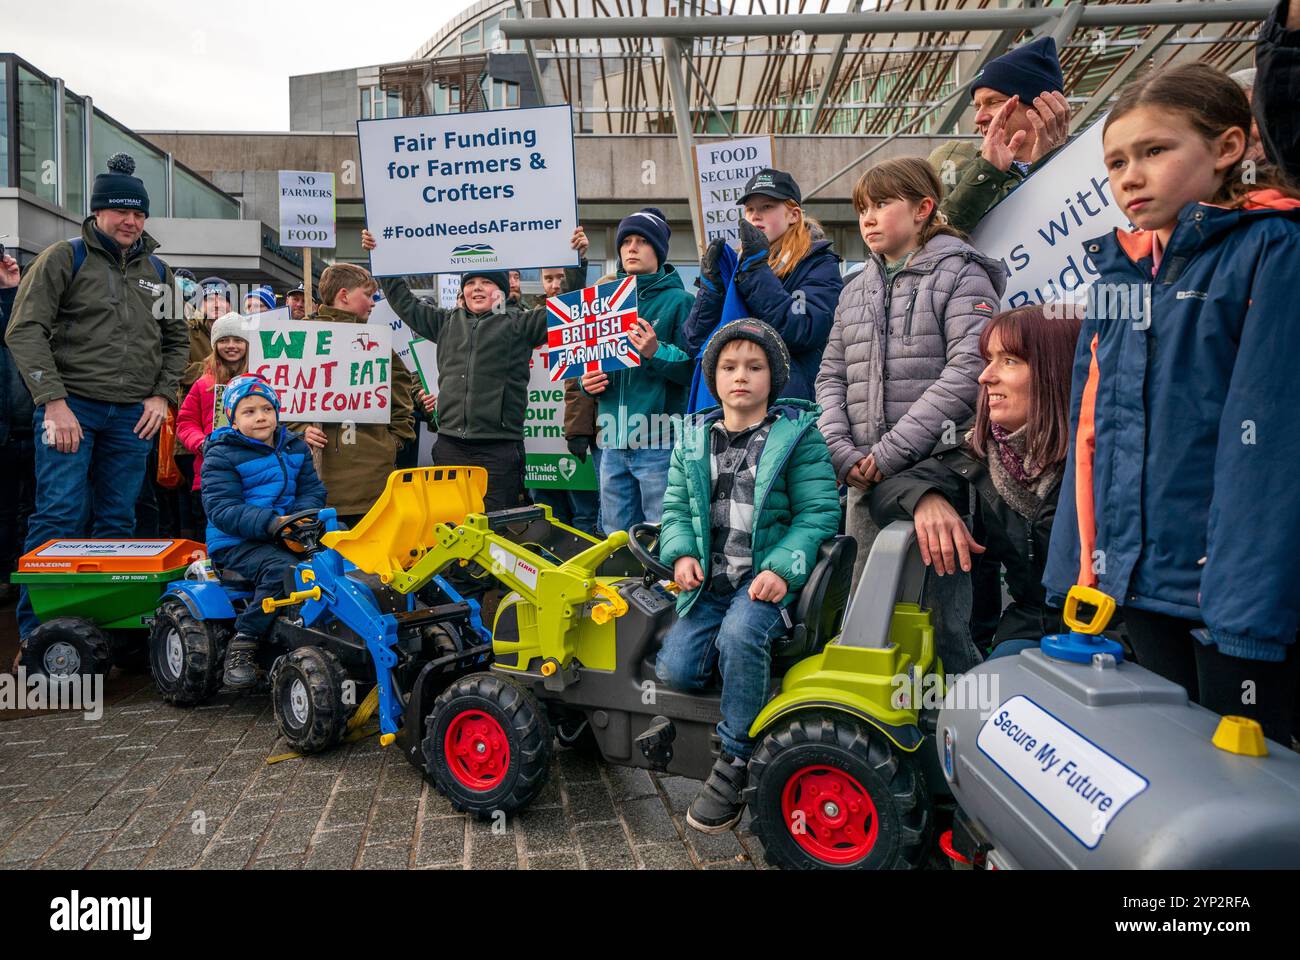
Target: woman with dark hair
x=1013, y=458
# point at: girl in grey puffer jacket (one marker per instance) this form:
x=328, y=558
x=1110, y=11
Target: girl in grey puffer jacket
x=899, y=374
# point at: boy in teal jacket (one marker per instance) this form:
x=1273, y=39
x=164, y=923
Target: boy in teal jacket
x=639, y=409
x=751, y=498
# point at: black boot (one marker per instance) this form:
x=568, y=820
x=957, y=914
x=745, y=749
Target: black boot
x=241, y=662
x=717, y=807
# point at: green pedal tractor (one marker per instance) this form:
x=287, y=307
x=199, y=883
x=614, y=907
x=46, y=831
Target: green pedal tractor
x=839, y=778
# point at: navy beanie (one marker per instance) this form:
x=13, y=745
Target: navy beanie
x=117, y=189
x=499, y=277
x=650, y=223
x=1026, y=72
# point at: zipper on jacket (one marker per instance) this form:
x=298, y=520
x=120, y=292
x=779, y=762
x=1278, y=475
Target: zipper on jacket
x=907, y=317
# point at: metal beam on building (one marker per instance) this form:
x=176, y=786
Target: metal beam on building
x=1083, y=116
x=673, y=63
x=875, y=22
x=532, y=56
x=832, y=72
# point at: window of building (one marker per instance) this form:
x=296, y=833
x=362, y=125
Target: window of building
x=196, y=199
x=503, y=95
x=377, y=104
x=471, y=39
x=36, y=136
x=150, y=164
x=74, y=139
x=4, y=126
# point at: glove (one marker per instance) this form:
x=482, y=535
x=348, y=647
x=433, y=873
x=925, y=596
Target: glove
x=753, y=246
x=710, y=269
x=580, y=447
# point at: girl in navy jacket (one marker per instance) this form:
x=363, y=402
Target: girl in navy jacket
x=255, y=472
x=1180, y=498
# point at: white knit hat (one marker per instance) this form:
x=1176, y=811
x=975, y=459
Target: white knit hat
x=233, y=324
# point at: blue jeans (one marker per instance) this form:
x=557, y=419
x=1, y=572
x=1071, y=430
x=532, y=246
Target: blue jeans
x=735, y=633
x=632, y=485
x=106, y=471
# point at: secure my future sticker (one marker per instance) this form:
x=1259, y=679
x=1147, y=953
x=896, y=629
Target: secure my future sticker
x=1080, y=785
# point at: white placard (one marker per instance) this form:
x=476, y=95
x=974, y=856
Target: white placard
x=306, y=209
x=448, y=290
x=493, y=189
x=723, y=169
x=1079, y=784
x=1039, y=230
x=325, y=372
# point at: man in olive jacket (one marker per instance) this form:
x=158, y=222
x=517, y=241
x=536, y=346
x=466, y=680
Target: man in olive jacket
x=484, y=350
x=1022, y=113
x=101, y=348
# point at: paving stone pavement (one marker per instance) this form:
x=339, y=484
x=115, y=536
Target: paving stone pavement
x=153, y=786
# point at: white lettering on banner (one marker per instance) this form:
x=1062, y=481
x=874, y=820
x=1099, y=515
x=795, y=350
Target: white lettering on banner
x=501, y=177
x=307, y=211
x=724, y=168
x=326, y=372
x=1080, y=785
x=1039, y=230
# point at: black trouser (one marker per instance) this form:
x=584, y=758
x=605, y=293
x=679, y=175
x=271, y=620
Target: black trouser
x=17, y=499
x=502, y=459
x=1261, y=690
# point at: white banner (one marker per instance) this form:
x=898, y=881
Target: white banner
x=493, y=189
x=306, y=209
x=1039, y=230
x=325, y=372
x=723, y=169
x=448, y=290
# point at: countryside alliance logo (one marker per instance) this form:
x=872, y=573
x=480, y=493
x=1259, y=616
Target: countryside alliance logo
x=473, y=253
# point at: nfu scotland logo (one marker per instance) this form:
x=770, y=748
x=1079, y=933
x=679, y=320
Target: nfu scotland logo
x=473, y=253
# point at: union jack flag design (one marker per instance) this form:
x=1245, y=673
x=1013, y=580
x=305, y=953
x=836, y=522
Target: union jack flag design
x=588, y=330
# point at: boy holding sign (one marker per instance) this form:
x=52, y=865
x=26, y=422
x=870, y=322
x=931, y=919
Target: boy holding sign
x=638, y=408
x=356, y=459
x=484, y=347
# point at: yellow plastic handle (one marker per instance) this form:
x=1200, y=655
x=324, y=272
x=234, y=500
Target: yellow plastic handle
x=270, y=605
x=615, y=605
x=1090, y=595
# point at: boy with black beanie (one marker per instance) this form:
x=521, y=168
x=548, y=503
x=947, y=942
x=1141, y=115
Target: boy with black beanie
x=739, y=567
x=484, y=349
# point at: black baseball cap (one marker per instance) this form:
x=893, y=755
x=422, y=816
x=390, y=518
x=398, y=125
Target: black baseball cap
x=772, y=183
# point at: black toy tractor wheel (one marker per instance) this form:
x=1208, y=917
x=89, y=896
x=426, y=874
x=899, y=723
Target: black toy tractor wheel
x=488, y=746
x=65, y=647
x=828, y=791
x=184, y=655
x=307, y=696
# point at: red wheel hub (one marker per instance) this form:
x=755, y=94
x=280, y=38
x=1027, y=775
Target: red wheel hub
x=477, y=750
x=829, y=815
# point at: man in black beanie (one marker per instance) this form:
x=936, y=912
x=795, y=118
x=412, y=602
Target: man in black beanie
x=1021, y=111
x=101, y=345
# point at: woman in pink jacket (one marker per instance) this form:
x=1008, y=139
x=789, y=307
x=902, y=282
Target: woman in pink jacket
x=228, y=359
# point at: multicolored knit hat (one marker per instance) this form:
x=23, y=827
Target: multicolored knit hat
x=247, y=385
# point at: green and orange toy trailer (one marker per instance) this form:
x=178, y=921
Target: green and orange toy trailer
x=96, y=599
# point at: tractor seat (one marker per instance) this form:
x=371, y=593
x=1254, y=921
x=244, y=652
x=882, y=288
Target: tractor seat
x=818, y=614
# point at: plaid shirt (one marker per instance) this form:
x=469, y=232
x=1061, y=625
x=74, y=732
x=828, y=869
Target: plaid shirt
x=733, y=464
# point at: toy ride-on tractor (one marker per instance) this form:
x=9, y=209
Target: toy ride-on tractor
x=95, y=600
x=836, y=779
x=345, y=640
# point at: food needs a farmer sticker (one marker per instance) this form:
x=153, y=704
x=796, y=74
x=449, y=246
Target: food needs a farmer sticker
x=326, y=372
x=105, y=548
x=1080, y=785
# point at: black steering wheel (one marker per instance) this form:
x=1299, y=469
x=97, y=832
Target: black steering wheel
x=300, y=532
x=655, y=569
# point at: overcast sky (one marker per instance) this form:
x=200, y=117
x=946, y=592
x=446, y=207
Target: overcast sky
x=171, y=65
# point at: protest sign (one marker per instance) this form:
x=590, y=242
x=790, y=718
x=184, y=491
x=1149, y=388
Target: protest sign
x=723, y=168
x=325, y=372
x=448, y=290
x=548, y=464
x=1039, y=230
x=306, y=209
x=490, y=189
x=588, y=329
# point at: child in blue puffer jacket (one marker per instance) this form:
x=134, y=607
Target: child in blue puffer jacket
x=255, y=472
